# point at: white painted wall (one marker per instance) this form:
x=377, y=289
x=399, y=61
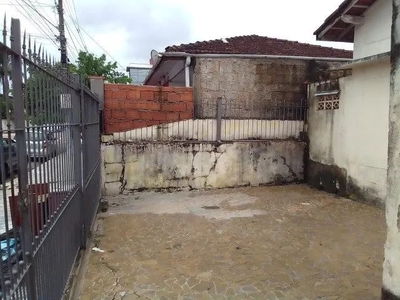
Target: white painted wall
x=206, y=130
x=355, y=137
x=373, y=37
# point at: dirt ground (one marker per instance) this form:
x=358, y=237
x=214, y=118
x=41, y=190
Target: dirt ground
x=288, y=242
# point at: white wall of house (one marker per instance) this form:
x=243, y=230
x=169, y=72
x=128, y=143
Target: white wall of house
x=373, y=37
x=355, y=137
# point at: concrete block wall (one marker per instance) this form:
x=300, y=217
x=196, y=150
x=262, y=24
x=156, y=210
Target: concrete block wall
x=134, y=166
x=128, y=107
x=250, y=82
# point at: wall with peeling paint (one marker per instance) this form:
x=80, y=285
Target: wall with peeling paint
x=391, y=266
x=133, y=166
x=348, y=146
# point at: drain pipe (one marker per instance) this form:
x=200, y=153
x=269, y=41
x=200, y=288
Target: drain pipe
x=187, y=71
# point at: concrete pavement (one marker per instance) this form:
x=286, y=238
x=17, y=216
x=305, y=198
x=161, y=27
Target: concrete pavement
x=289, y=242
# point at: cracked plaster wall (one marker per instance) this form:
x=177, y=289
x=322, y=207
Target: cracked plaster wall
x=128, y=166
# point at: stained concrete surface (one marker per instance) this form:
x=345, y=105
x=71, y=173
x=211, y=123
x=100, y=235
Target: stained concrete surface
x=288, y=242
x=200, y=165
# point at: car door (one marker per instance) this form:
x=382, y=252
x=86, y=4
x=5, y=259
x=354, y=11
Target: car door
x=12, y=154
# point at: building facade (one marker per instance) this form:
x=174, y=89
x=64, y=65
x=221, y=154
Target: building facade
x=349, y=143
x=250, y=71
x=138, y=72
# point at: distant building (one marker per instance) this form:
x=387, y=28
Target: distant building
x=138, y=72
x=245, y=70
x=348, y=125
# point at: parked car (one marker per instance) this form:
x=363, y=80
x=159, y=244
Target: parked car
x=46, y=141
x=10, y=161
x=40, y=144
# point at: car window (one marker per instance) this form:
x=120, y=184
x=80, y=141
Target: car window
x=35, y=135
x=52, y=136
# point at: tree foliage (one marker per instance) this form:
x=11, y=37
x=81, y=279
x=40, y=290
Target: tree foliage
x=90, y=65
x=43, y=97
x=6, y=107
x=43, y=93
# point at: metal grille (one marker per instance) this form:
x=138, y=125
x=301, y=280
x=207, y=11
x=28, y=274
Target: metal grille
x=223, y=120
x=49, y=163
x=328, y=102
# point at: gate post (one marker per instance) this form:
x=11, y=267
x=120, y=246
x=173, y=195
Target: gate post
x=23, y=197
x=77, y=150
x=391, y=271
x=219, y=119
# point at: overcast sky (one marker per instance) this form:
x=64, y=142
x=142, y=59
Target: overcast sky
x=129, y=29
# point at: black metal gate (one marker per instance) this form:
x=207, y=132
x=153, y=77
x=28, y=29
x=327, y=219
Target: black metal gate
x=49, y=169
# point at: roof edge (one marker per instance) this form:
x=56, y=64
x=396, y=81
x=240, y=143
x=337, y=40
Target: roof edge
x=334, y=17
x=165, y=55
x=260, y=56
x=363, y=61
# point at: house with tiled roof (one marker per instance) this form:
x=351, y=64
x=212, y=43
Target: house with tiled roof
x=244, y=69
x=348, y=124
x=354, y=144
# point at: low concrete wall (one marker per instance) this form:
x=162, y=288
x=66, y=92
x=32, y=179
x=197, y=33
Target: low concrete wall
x=134, y=166
x=206, y=130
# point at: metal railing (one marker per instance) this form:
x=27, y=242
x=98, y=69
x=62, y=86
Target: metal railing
x=224, y=120
x=49, y=163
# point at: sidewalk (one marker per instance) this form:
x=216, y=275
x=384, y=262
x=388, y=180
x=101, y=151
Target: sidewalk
x=289, y=242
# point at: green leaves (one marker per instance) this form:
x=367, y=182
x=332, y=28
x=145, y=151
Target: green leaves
x=43, y=97
x=6, y=109
x=90, y=65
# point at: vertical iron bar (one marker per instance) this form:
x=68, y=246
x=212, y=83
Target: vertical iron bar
x=53, y=112
x=51, y=129
x=284, y=119
x=267, y=128
x=275, y=117
x=219, y=118
x=232, y=115
x=304, y=115
x=4, y=291
x=21, y=154
x=45, y=139
x=79, y=150
x=298, y=118
x=243, y=120
x=63, y=166
x=246, y=135
x=290, y=119
x=10, y=165
x=38, y=142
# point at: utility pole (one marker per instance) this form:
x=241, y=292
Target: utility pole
x=63, y=40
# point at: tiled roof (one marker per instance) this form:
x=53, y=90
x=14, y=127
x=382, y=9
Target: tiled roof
x=254, y=44
x=335, y=29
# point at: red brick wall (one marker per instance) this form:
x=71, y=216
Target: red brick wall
x=128, y=107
